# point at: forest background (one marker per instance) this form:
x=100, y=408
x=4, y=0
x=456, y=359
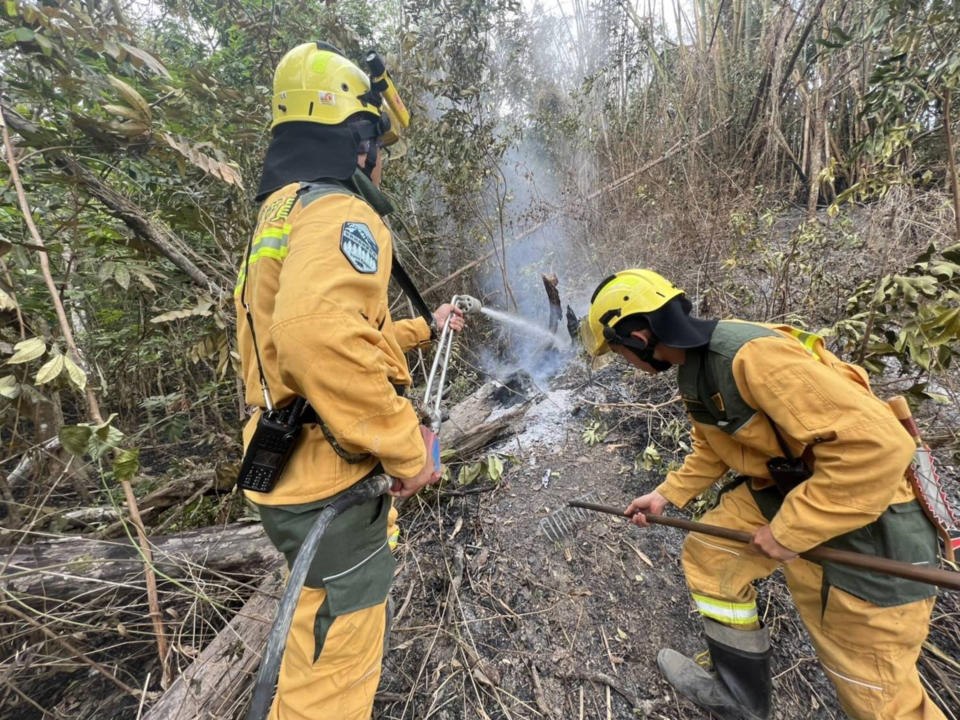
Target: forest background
x=783, y=161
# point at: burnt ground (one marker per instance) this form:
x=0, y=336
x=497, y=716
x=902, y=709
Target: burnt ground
x=496, y=620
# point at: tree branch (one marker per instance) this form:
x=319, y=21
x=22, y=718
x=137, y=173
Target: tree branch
x=155, y=233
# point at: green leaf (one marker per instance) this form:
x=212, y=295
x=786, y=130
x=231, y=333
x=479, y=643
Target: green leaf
x=27, y=350
x=104, y=431
x=78, y=378
x=75, y=438
x=23, y=34
x=494, y=468
x=9, y=388
x=952, y=253
x=146, y=282
x=650, y=458
x=6, y=301
x=469, y=473
x=104, y=438
x=122, y=276
x=11, y=6
x=126, y=464
x=50, y=370
x=46, y=47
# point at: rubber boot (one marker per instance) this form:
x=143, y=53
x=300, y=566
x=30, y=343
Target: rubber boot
x=740, y=688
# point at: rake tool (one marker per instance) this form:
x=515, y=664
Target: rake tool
x=932, y=576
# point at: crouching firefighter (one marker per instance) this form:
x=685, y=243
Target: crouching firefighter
x=819, y=460
x=323, y=363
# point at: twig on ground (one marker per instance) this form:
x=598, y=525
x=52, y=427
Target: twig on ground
x=601, y=679
x=26, y=698
x=538, y=691
x=73, y=650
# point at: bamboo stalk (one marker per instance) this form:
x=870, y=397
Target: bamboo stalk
x=951, y=160
x=932, y=576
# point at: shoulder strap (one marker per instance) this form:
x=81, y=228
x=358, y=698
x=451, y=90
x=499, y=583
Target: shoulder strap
x=721, y=414
x=253, y=335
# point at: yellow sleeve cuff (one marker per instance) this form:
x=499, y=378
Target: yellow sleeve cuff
x=677, y=497
x=411, y=333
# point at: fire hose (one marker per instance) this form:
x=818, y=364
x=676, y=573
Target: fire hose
x=364, y=491
x=932, y=576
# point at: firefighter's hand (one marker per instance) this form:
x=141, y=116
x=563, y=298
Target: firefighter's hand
x=405, y=487
x=455, y=314
x=653, y=503
x=764, y=543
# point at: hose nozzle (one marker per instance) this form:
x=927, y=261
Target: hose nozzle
x=467, y=303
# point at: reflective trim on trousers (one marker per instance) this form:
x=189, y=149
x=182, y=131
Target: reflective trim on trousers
x=728, y=613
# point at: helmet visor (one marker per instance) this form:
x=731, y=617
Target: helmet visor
x=593, y=342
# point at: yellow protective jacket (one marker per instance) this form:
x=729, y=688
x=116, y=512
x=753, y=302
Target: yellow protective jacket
x=824, y=409
x=317, y=291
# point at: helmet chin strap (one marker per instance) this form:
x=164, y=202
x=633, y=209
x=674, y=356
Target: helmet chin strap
x=644, y=351
x=371, y=162
x=639, y=347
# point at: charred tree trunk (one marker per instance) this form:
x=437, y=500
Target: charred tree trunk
x=553, y=296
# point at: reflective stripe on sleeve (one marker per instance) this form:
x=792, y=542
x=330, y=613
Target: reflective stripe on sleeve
x=271, y=243
x=808, y=340
x=728, y=613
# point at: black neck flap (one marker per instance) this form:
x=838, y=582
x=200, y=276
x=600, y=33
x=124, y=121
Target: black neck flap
x=305, y=152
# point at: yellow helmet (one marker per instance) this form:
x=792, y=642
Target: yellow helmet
x=314, y=82
x=630, y=292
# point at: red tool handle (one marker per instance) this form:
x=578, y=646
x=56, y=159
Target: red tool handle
x=432, y=442
x=902, y=411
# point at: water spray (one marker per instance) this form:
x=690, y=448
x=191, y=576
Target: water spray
x=523, y=324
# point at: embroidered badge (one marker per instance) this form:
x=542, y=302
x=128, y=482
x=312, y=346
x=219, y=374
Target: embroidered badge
x=359, y=247
x=282, y=208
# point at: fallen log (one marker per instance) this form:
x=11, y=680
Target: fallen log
x=63, y=567
x=223, y=673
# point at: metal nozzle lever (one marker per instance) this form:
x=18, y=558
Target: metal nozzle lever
x=467, y=303
x=432, y=395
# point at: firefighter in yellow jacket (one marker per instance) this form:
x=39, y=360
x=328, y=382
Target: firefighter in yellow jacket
x=313, y=317
x=819, y=461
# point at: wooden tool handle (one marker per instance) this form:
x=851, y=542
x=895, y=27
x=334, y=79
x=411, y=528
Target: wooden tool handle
x=900, y=408
x=897, y=568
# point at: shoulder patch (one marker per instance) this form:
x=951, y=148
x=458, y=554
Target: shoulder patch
x=359, y=247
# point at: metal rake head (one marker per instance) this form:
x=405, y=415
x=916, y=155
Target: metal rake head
x=563, y=521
